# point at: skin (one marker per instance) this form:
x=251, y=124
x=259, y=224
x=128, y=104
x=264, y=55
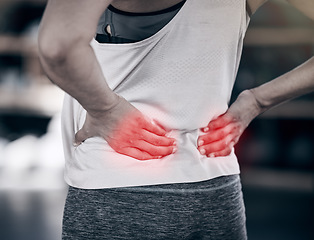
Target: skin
x=74, y=67
x=224, y=132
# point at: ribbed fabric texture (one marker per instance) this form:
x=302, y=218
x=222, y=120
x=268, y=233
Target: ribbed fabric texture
x=182, y=76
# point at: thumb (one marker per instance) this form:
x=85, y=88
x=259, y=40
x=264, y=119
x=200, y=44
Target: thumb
x=80, y=137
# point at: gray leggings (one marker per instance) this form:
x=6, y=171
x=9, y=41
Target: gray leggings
x=210, y=209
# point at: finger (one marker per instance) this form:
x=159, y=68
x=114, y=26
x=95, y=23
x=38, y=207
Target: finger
x=156, y=122
x=217, y=123
x=153, y=127
x=156, y=139
x=153, y=150
x=80, y=136
x=135, y=153
x=130, y=139
x=217, y=146
x=216, y=135
x=223, y=153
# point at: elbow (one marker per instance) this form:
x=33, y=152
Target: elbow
x=55, y=49
x=50, y=48
x=55, y=43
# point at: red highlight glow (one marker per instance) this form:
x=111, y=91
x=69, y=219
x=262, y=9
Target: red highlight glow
x=138, y=137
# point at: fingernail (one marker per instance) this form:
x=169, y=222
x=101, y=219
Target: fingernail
x=200, y=142
x=206, y=129
x=174, y=143
x=76, y=144
x=202, y=151
x=212, y=155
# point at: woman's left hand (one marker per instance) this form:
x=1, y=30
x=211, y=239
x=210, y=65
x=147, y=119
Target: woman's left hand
x=222, y=133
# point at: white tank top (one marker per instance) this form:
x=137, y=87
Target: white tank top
x=182, y=76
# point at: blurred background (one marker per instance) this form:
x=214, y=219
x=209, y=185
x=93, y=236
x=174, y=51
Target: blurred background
x=275, y=152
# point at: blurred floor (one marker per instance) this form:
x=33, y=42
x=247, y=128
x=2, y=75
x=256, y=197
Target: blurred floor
x=31, y=215
x=279, y=215
x=274, y=212
x=279, y=204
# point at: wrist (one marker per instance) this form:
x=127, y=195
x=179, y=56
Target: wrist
x=260, y=106
x=251, y=108
x=107, y=105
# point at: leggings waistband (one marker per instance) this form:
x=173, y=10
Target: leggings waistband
x=202, y=186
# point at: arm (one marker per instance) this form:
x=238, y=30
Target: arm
x=65, y=53
x=224, y=132
x=293, y=84
x=66, y=30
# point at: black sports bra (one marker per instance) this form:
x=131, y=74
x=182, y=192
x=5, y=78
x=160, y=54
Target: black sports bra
x=116, y=26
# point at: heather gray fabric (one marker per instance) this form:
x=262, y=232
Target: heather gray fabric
x=210, y=209
x=131, y=27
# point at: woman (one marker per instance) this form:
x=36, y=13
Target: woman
x=148, y=135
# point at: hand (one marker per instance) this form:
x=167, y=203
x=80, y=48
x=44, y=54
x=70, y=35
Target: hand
x=128, y=132
x=222, y=133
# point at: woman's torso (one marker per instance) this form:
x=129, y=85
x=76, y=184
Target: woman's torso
x=182, y=76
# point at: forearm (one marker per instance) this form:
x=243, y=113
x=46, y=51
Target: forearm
x=222, y=133
x=293, y=84
x=65, y=32
x=78, y=73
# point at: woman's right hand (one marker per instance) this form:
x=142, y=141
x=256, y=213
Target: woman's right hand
x=128, y=132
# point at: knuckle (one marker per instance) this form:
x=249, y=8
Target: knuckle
x=223, y=132
x=236, y=127
x=228, y=151
x=221, y=146
x=162, y=141
x=224, y=145
x=213, y=125
x=230, y=137
x=139, y=122
x=152, y=150
x=158, y=142
x=206, y=138
x=223, y=154
x=139, y=134
x=154, y=140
